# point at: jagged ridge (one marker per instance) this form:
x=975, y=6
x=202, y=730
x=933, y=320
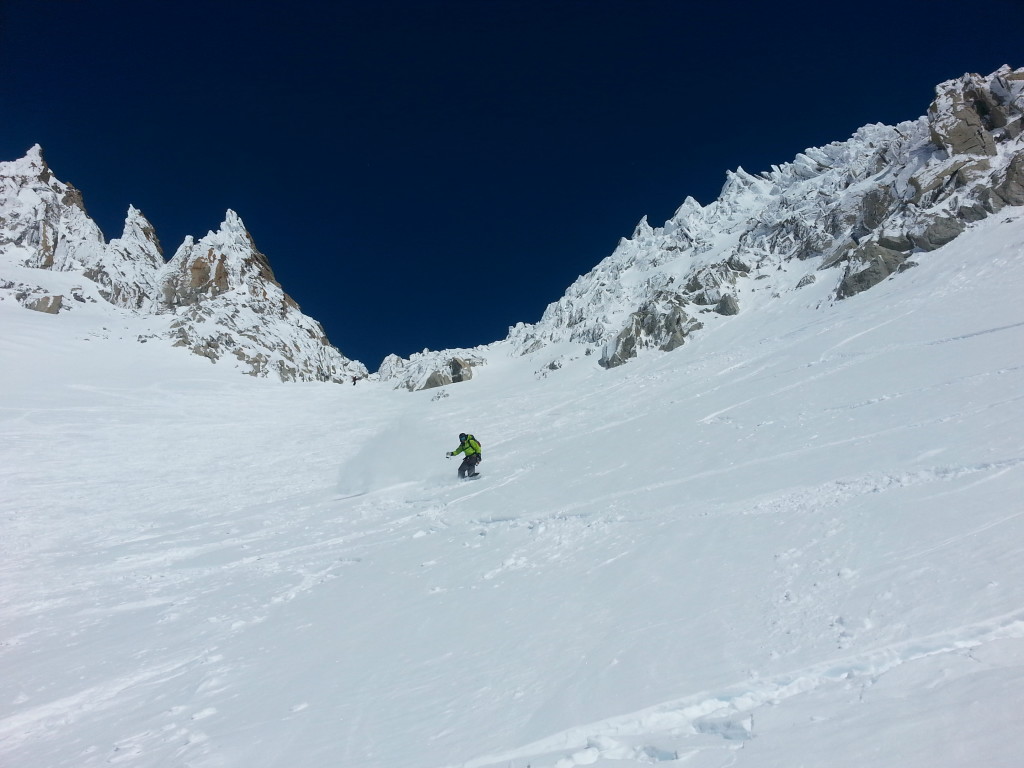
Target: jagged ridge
x=216, y=297
x=853, y=213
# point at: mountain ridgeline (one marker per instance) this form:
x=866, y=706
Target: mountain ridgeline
x=853, y=213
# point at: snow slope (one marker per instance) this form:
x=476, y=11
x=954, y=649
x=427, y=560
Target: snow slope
x=795, y=541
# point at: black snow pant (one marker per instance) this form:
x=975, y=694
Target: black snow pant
x=468, y=466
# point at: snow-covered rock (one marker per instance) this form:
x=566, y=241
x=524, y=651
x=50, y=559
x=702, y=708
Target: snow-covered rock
x=427, y=370
x=128, y=275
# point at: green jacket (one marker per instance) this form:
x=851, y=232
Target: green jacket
x=469, y=446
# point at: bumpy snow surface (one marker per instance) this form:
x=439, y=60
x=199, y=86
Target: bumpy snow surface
x=798, y=540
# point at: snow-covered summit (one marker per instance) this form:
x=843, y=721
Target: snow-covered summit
x=43, y=222
x=225, y=300
x=217, y=296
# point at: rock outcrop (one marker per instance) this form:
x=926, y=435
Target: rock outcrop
x=868, y=266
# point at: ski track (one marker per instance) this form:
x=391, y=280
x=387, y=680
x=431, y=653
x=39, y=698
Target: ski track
x=721, y=721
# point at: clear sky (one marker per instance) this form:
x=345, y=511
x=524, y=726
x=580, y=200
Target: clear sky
x=426, y=174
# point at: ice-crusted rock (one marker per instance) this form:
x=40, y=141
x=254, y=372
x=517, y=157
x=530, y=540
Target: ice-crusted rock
x=44, y=225
x=217, y=297
x=855, y=212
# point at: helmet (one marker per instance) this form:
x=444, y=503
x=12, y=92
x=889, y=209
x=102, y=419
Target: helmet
x=463, y=436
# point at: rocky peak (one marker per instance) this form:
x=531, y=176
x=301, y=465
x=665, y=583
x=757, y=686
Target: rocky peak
x=217, y=296
x=227, y=302
x=427, y=370
x=222, y=261
x=31, y=165
x=42, y=220
x=127, y=275
x=138, y=229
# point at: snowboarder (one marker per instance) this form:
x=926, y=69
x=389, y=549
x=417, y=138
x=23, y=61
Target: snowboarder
x=470, y=447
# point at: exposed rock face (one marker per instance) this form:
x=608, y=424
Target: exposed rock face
x=853, y=211
x=955, y=117
x=216, y=297
x=457, y=370
x=1010, y=182
x=728, y=306
x=222, y=261
x=935, y=232
x=48, y=304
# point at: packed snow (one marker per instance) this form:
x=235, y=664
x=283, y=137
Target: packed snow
x=795, y=541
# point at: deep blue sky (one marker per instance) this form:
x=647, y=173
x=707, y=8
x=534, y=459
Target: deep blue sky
x=426, y=174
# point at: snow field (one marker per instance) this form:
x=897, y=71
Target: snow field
x=794, y=541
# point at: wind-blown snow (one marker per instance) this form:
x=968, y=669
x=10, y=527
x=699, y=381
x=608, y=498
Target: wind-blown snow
x=797, y=540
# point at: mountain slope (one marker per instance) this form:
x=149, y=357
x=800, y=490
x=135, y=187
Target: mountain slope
x=795, y=540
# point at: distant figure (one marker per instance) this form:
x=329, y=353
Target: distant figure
x=470, y=447
x=354, y=380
